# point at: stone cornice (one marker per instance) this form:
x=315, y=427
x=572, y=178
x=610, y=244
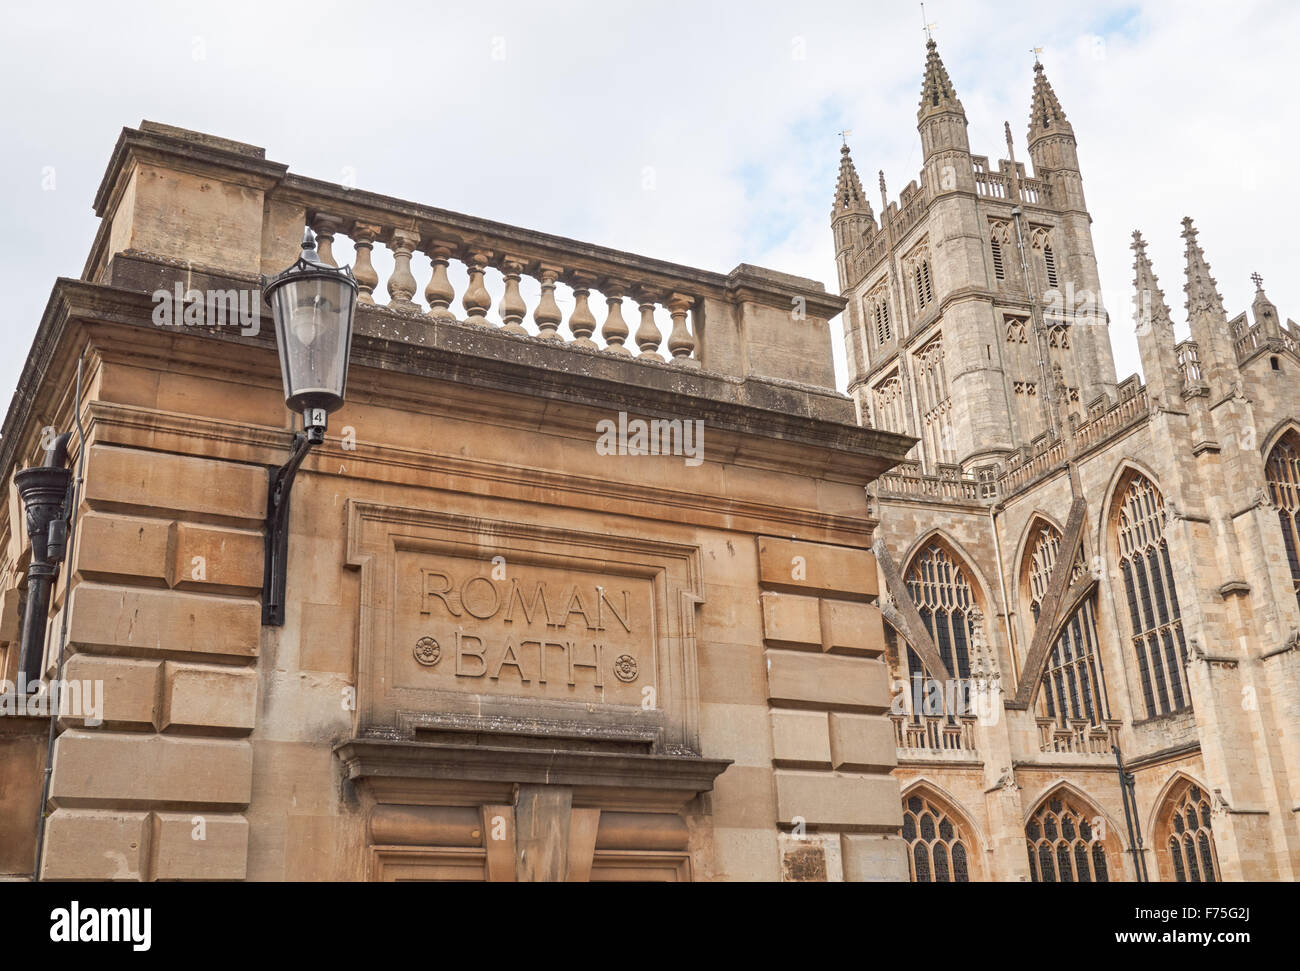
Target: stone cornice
x=754, y=416
x=367, y=759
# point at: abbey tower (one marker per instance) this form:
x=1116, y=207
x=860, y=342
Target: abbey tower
x=1108, y=568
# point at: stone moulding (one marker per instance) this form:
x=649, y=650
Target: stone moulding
x=679, y=778
x=748, y=411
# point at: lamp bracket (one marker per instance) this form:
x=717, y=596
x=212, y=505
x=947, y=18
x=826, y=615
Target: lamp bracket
x=275, y=573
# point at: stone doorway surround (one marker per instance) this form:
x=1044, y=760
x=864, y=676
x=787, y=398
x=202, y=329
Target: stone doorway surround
x=470, y=770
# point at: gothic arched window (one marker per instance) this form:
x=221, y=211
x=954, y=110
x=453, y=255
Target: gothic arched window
x=1188, y=843
x=938, y=847
x=1283, y=474
x=945, y=600
x=924, y=291
x=1156, y=623
x=1066, y=842
x=1000, y=243
x=888, y=399
x=882, y=329
x=1049, y=264
x=1074, y=684
x=935, y=402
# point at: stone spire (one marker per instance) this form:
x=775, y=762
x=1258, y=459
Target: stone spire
x=849, y=196
x=1149, y=307
x=1202, y=292
x=1046, y=116
x=936, y=89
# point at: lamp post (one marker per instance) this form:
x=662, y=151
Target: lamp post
x=313, y=304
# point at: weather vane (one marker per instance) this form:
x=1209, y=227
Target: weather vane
x=845, y=135
x=1035, y=51
x=926, y=25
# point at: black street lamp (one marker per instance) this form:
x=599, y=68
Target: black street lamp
x=313, y=304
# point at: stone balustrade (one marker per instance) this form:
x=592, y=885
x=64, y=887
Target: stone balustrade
x=587, y=285
x=1078, y=736
x=964, y=489
x=929, y=735
x=443, y=267
x=1034, y=191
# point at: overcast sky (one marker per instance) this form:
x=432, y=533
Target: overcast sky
x=699, y=132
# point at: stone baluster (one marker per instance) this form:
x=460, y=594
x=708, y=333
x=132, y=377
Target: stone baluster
x=477, y=301
x=582, y=324
x=647, y=335
x=547, y=315
x=439, y=293
x=363, y=237
x=615, y=329
x=326, y=227
x=401, y=284
x=512, y=307
x=681, y=342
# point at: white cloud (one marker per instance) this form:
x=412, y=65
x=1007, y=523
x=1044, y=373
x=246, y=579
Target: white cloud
x=1180, y=109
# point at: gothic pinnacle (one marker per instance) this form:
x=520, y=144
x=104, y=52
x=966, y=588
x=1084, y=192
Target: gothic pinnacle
x=1148, y=299
x=1202, y=292
x=849, y=196
x=1046, y=116
x=937, y=93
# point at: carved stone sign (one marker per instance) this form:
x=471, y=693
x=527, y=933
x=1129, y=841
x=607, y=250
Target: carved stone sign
x=484, y=626
x=520, y=629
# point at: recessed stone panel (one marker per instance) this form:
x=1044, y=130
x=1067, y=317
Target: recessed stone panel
x=518, y=629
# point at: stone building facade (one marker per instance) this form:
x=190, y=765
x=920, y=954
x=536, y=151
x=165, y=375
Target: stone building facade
x=1081, y=572
x=514, y=646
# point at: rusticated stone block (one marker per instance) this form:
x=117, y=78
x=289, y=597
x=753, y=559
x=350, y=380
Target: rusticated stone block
x=199, y=846
x=94, y=766
x=852, y=628
x=800, y=739
x=203, y=556
x=163, y=620
x=130, y=693
x=94, y=844
x=112, y=547
x=822, y=799
x=792, y=621
x=174, y=484
x=209, y=696
x=816, y=568
x=827, y=681
x=862, y=742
